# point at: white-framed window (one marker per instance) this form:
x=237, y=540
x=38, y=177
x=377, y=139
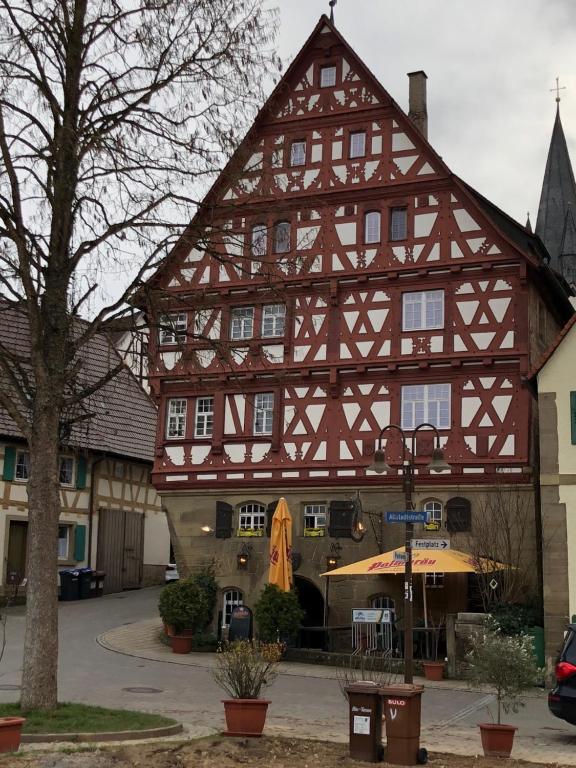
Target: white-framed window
x=282, y=237
x=434, y=580
x=298, y=153
x=422, y=310
x=315, y=517
x=383, y=602
x=64, y=541
x=259, y=239
x=66, y=470
x=327, y=77
x=176, y=418
x=433, y=509
x=425, y=403
x=372, y=221
x=263, y=413
x=173, y=329
x=231, y=598
x=242, y=323
x=252, y=517
x=358, y=144
x=204, y=421
x=22, y=469
x=398, y=223
x=273, y=320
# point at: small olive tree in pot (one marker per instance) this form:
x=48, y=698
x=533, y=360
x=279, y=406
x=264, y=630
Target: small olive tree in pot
x=507, y=665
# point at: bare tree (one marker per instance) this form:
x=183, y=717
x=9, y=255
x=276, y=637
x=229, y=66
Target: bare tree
x=504, y=533
x=112, y=112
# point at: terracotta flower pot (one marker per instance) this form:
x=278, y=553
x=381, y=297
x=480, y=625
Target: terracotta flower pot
x=433, y=670
x=10, y=733
x=245, y=717
x=168, y=629
x=181, y=643
x=497, y=740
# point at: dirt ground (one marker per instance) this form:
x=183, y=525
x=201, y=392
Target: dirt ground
x=222, y=752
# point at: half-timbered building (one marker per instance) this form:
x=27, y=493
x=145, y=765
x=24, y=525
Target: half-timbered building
x=340, y=278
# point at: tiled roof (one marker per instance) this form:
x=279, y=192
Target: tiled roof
x=124, y=423
x=553, y=347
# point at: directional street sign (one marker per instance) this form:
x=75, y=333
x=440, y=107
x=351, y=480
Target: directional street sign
x=402, y=557
x=409, y=516
x=430, y=544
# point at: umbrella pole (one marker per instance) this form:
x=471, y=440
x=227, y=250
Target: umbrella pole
x=425, y=604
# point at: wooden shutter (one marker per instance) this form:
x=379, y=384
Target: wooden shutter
x=79, y=543
x=9, y=463
x=224, y=513
x=458, y=515
x=270, y=509
x=573, y=417
x=81, y=473
x=341, y=519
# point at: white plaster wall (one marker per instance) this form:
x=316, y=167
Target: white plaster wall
x=156, y=539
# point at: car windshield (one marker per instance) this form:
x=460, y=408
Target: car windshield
x=569, y=650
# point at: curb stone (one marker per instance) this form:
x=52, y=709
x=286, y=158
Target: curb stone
x=147, y=733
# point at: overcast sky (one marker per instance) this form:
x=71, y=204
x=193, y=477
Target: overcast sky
x=490, y=67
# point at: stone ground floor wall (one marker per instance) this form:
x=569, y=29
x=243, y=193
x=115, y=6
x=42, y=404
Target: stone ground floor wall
x=189, y=512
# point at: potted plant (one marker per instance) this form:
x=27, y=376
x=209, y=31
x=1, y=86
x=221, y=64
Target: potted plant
x=243, y=669
x=278, y=615
x=433, y=666
x=185, y=606
x=506, y=664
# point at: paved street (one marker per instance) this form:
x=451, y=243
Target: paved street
x=306, y=705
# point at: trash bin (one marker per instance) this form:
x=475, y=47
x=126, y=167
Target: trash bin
x=69, y=585
x=537, y=634
x=402, y=705
x=365, y=711
x=84, y=582
x=97, y=584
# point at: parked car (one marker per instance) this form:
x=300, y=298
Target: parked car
x=562, y=698
x=171, y=573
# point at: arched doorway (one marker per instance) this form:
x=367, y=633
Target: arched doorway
x=312, y=602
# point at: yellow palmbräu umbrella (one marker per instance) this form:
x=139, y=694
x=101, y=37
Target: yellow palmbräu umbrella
x=281, y=547
x=423, y=561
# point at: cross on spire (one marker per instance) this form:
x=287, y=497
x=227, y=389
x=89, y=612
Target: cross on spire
x=332, y=4
x=558, y=88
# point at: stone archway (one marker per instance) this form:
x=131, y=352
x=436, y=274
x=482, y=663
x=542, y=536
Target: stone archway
x=312, y=602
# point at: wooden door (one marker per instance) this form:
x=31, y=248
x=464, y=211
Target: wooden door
x=120, y=549
x=17, y=541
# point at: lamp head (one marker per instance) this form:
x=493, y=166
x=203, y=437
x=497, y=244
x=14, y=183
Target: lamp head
x=379, y=464
x=438, y=463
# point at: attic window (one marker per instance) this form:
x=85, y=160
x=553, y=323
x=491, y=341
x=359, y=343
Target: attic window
x=327, y=77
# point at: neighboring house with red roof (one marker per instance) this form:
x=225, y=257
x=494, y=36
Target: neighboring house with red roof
x=112, y=519
x=556, y=380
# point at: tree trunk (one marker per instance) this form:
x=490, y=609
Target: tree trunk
x=39, y=678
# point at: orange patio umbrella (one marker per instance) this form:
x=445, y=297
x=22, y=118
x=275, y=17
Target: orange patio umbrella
x=423, y=561
x=281, y=547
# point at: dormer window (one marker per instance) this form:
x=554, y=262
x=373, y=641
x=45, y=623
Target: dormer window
x=327, y=77
x=298, y=153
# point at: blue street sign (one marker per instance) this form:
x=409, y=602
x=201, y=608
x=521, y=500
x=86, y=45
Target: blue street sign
x=406, y=517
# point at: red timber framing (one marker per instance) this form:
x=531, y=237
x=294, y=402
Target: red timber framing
x=441, y=298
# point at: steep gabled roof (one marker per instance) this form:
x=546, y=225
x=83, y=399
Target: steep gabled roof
x=124, y=423
x=552, y=348
x=558, y=194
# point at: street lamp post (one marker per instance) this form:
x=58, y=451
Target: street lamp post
x=379, y=465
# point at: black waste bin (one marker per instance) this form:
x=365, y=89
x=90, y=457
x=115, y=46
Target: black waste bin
x=97, y=584
x=69, y=585
x=85, y=580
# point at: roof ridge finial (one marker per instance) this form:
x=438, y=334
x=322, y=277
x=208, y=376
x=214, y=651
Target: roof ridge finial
x=332, y=4
x=558, y=88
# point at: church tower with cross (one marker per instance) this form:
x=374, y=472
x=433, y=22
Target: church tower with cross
x=556, y=223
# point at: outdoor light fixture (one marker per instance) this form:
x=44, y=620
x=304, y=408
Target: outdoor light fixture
x=206, y=529
x=379, y=466
x=331, y=562
x=243, y=557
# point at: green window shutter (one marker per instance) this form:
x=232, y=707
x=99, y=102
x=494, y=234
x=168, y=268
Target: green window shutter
x=81, y=473
x=573, y=416
x=9, y=463
x=79, y=543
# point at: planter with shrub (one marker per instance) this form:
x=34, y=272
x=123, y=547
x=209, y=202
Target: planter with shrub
x=187, y=607
x=278, y=615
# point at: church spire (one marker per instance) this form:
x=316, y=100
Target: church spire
x=558, y=197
